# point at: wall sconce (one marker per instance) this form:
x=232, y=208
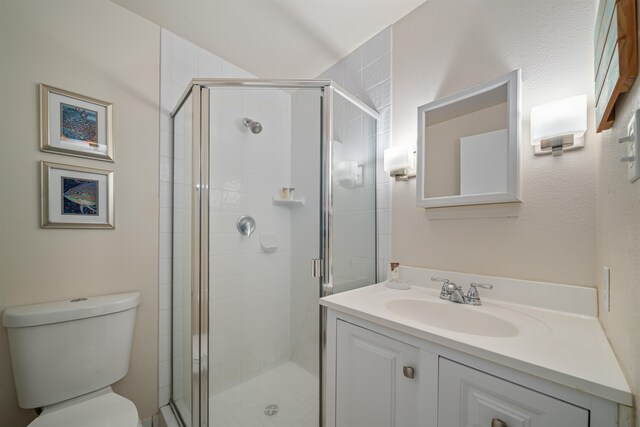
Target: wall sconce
x=349, y=174
x=559, y=125
x=399, y=162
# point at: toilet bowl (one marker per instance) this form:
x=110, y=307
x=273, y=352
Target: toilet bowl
x=103, y=408
x=65, y=356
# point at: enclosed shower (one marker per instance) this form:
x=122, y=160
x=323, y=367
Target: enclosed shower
x=274, y=206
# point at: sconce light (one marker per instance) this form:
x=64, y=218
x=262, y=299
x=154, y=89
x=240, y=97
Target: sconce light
x=349, y=174
x=559, y=125
x=399, y=162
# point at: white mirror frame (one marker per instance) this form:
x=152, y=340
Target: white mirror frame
x=512, y=80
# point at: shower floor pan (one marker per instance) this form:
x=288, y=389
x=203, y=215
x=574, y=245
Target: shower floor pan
x=286, y=396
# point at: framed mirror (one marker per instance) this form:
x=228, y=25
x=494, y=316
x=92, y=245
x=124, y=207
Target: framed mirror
x=468, y=146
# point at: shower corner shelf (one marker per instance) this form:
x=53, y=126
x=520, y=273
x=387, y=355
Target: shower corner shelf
x=288, y=202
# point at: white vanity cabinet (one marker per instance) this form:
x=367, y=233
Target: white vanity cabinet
x=468, y=397
x=376, y=379
x=368, y=384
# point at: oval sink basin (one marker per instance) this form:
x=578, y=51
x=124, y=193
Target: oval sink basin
x=453, y=317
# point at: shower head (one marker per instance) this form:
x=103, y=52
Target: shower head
x=255, y=127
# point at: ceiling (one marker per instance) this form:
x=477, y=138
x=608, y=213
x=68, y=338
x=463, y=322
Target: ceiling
x=275, y=38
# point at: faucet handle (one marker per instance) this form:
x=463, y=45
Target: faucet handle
x=482, y=285
x=473, y=297
x=447, y=287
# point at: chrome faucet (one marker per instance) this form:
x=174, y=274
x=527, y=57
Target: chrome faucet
x=454, y=293
x=450, y=291
x=473, y=297
x=457, y=294
x=445, y=293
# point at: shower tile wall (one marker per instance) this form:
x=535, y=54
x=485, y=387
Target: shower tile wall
x=366, y=73
x=180, y=61
x=250, y=282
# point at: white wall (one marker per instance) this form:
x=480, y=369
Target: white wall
x=618, y=234
x=110, y=54
x=552, y=239
x=579, y=212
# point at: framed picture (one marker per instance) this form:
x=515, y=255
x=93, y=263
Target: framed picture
x=75, y=125
x=76, y=197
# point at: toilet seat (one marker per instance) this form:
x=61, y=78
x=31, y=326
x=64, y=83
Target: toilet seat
x=105, y=410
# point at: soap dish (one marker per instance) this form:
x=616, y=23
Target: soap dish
x=401, y=286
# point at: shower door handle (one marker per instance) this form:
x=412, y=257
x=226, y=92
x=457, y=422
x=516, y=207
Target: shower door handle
x=316, y=268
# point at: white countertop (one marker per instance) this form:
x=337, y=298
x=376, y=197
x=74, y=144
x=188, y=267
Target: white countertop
x=565, y=348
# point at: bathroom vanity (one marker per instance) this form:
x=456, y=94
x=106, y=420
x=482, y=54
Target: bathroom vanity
x=522, y=358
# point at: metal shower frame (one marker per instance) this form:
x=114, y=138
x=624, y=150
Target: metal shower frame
x=198, y=89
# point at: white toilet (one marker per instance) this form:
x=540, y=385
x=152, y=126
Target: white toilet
x=66, y=355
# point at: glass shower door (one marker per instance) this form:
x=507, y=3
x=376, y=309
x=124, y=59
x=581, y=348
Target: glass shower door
x=298, y=162
x=353, y=204
x=182, y=255
x=190, y=267
x=263, y=330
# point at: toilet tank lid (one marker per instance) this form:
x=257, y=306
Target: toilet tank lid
x=63, y=311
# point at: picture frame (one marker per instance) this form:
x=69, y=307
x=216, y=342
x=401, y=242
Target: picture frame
x=615, y=55
x=75, y=125
x=76, y=197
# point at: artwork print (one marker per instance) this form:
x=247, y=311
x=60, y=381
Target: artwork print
x=79, y=196
x=75, y=125
x=76, y=197
x=78, y=125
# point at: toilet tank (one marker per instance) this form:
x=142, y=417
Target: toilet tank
x=65, y=349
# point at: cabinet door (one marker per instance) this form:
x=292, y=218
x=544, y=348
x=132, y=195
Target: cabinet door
x=470, y=398
x=371, y=387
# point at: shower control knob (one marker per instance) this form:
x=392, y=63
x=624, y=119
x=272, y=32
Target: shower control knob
x=246, y=225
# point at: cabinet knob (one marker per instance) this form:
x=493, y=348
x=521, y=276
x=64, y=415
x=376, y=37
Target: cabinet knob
x=496, y=422
x=409, y=372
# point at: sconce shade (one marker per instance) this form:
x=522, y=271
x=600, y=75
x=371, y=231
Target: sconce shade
x=396, y=158
x=559, y=118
